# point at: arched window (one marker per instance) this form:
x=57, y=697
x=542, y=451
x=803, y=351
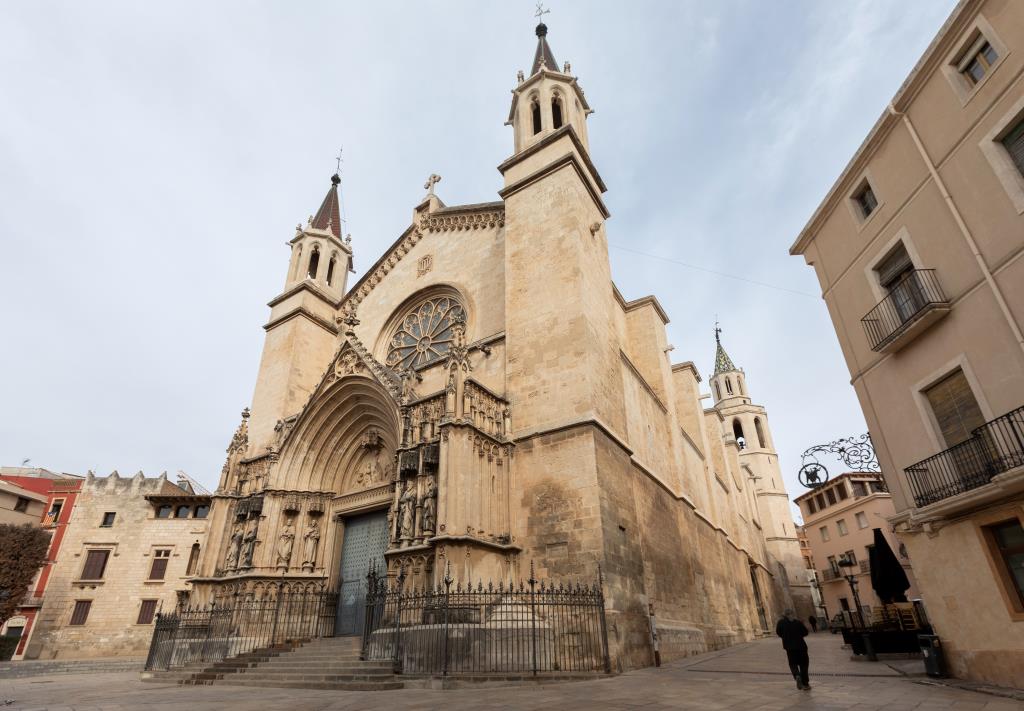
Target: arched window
x=535, y=113
x=737, y=431
x=425, y=333
x=330, y=271
x=182, y=511
x=202, y=511
x=718, y=392
x=193, y=560
x=728, y=386
x=760, y=433
x=739, y=386
x=314, y=263
x=164, y=511
x=556, y=112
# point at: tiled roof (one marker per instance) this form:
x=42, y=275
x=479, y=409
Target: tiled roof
x=328, y=217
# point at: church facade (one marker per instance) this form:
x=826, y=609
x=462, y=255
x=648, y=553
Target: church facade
x=484, y=398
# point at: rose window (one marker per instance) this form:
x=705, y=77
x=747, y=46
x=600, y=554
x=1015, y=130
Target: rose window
x=425, y=333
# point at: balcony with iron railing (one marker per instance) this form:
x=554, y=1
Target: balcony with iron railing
x=994, y=448
x=913, y=304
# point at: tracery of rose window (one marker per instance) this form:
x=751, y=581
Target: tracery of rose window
x=425, y=333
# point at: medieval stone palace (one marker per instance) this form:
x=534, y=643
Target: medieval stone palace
x=484, y=397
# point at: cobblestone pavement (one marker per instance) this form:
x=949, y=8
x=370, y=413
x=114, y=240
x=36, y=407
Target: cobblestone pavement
x=749, y=677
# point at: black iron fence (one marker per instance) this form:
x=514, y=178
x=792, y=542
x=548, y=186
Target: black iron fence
x=994, y=448
x=239, y=623
x=907, y=298
x=530, y=628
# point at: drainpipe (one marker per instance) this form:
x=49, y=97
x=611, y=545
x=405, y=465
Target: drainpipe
x=968, y=237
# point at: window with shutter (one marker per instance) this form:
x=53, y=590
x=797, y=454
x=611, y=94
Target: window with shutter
x=81, y=612
x=955, y=407
x=159, y=569
x=146, y=612
x=193, y=560
x=1014, y=144
x=95, y=564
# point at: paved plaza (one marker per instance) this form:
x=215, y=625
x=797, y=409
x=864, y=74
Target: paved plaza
x=749, y=677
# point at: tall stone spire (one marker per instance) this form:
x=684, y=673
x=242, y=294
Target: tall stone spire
x=328, y=217
x=543, y=57
x=723, y=363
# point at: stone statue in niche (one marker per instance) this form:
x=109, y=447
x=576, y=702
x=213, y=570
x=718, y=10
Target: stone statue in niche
x=428, y=518
x=311, y=541
x=234, y=549
x=249, y=547
x=407, y=511
x=285, y=542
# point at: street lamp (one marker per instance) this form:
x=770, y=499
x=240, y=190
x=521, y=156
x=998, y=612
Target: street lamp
x=821, y=597
x=847, y=565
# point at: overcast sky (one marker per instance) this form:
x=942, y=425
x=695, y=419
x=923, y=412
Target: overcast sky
x=155, y=158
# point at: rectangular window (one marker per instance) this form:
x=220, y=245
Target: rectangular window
x=844, y=603
x=81, y=612
x=831, y=496
x=833, y=564
x=841, y=525
x=159, y=568
x=21, y=505
x=1014, y=145
x=866, y=200
x=146, y=611
x=811, y=507
x=978, y=60
x=53, y=515
x=859, y=489
x=878, y=487
x=955, y=407
x=1006, y=541
x=841, y=490
x=820, y=498
x=850, y=557
x=862, y=519
x=95, y=564
x=193, y=560
x=108, y=519
x=824, y=533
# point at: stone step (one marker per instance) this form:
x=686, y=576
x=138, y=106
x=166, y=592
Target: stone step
x=327, y=685
x=315, y=658
x=312, y=676
x=322, y=665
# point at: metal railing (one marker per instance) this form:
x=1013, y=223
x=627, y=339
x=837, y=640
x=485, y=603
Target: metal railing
x=994, y=448
x=241, y=623
x=908, y=298
x=530, y=628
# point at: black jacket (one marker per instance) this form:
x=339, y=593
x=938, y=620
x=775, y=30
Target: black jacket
x=792, y=633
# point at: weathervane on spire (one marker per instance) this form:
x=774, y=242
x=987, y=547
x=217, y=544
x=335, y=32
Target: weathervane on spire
x=540, y=13
x=338, y=159
x=718, y=331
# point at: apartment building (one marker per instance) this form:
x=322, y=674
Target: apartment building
x=839, y=522
x=919, y=250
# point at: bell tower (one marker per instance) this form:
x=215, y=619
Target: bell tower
x=302, y=332
x=759, y=463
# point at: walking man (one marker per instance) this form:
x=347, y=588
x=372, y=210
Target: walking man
x=814, y=623
x=792, y=631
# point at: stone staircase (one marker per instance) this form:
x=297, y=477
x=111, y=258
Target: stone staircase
x=325, y=663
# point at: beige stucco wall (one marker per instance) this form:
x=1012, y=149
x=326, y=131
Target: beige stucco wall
x=945, y=199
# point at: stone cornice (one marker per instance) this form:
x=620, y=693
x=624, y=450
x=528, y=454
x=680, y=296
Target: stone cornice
x=301, y=311
x=470, y=540
x=687, y=365
x=551, y=138
x=926, y=66
x=650, y=299
x=569, y=159
x=305, y=285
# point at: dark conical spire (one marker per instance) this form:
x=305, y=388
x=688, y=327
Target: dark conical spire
x=723, y=363
x=543, y=53
x=328, y=217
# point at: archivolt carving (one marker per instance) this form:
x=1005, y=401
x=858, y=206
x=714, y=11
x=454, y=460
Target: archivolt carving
x=462, y=221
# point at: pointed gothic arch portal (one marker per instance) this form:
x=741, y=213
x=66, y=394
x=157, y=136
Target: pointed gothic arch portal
x=737, y=432
x=352, y=422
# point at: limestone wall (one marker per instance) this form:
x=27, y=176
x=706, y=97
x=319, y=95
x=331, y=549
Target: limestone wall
x=111, y=627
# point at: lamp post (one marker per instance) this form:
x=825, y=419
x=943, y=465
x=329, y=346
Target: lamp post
x=821, y=598
x=848, y=565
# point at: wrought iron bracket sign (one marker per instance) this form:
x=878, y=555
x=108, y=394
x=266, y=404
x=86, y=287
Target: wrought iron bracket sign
x=857, y=453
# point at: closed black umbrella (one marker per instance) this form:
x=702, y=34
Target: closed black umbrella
x=887, y=576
